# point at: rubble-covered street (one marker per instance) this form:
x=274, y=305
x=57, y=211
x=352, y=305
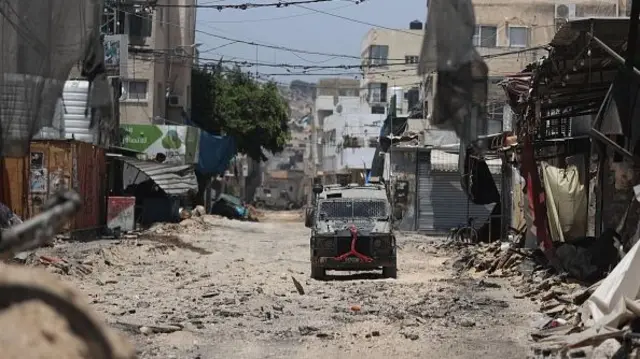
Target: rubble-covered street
x=215, y=288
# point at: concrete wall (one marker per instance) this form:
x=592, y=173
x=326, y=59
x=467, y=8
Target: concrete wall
x=338, y=87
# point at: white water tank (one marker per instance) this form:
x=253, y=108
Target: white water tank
x=76, y=115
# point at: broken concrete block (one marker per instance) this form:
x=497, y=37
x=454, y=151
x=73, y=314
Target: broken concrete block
x=607, y=350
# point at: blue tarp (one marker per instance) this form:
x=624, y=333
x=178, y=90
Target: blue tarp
x=215, y=153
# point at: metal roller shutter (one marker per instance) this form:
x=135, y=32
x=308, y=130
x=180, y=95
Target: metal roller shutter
x=425, y=209
x=450, y=202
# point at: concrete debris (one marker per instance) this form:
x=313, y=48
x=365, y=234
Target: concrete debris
x=298, y=286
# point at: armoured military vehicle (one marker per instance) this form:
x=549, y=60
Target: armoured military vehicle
x=351, y=230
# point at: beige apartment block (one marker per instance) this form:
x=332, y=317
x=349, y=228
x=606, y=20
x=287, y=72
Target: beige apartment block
x=507, y=25
x=395, y=55
x=157, y=80
x=507, y=34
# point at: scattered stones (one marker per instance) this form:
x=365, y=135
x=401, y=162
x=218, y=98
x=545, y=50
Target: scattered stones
x=411, y=336
x=307, y=330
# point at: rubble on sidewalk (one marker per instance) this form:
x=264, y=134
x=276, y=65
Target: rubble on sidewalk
x=601, y=320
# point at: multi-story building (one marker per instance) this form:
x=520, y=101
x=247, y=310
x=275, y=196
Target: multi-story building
x=508, y=34
x=333, y=94
x=349, y=143
x=389, y=59
x=156, y=68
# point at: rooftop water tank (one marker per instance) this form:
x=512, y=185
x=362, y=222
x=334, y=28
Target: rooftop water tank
x=415, y=25
x=76, y=117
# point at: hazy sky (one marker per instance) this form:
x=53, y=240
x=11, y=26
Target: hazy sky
x=299, y=28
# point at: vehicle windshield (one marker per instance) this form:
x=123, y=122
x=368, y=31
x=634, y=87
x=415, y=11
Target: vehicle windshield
x=348, y=208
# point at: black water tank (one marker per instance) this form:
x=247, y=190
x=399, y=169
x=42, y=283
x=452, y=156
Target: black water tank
x=415, y=25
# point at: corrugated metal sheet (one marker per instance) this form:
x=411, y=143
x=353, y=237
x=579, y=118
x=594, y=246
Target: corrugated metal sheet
x=448, y=162
x=442, y=203
x=173, y=180
x=54, y=165
x=425, y=208
x=89, y=178
x=14, y=184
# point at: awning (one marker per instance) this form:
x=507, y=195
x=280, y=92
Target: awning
x=174, y=180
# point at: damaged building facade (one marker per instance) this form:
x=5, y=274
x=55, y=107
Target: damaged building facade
x=570, y=154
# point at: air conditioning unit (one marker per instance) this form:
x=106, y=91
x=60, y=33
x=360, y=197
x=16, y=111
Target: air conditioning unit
x=174, y=101
x=565, y=11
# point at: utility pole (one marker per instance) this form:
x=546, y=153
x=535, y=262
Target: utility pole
x=314, y=151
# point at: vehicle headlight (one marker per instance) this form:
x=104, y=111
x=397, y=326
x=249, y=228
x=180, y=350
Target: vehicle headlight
x=377, y=243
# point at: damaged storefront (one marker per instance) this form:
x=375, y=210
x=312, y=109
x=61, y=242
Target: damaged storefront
x=160, y=190
x=575, y=149
x=442, y=202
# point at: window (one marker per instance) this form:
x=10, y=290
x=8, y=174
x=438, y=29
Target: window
x=378, y=54
x=377, y=92
x=518, y=36
x=377, y=110
x=135, y=90
x=411, y=59
x=140, y=24
x=485, y=36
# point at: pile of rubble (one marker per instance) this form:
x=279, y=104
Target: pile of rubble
x=559, y=297
x=569, y=328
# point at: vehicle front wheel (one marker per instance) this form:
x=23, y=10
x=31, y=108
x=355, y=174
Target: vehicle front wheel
x=317, y=272
x=390, y=272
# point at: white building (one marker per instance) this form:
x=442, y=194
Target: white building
x=349, y=143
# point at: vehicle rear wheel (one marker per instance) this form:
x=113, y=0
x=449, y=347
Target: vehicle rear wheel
x=318, y=272
x=260, y=205
x=390, y=272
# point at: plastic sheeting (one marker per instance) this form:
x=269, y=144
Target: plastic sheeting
x=462, y=75
x=616, y=298
x=34, y=64
x=566, y=202
x=215, y=153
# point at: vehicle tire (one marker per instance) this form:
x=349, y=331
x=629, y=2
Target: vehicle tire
x=390, y=272
x=260, y=205
x=318, y=273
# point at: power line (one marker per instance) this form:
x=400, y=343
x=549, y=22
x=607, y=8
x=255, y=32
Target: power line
x=294, y=50
x=356, y=20
x=271, y=18
x=259, y=44
x=247, y=6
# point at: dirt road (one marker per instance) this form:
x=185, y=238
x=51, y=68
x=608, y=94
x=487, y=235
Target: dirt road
x=223, y=289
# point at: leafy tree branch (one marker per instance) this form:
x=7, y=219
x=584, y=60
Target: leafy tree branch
x=231, y=102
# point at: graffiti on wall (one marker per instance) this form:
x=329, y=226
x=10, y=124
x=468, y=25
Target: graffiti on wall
x=38, y=175
x=58, y=181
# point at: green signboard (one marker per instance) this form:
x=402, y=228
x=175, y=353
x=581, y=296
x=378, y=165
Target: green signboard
x=178, y=144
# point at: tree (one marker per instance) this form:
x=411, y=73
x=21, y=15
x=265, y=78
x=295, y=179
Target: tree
x=231, y=102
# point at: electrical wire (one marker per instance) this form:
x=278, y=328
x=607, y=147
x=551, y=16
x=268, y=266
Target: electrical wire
x=247, y=6
x=356, y=20
x=300, y=51
x=271, y=18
